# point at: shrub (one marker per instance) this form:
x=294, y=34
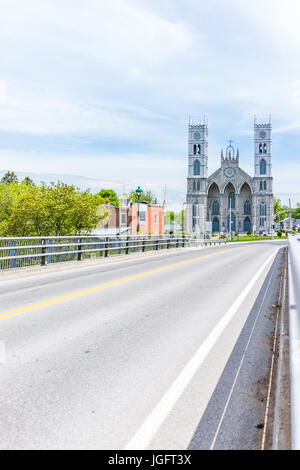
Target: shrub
x=249, y=233
x=279, y=234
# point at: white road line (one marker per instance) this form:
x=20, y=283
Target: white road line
x=240, y=367
x=143, y=437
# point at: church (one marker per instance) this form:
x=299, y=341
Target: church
x=229, y=200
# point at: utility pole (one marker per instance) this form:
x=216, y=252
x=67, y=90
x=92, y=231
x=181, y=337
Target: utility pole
x=138, y=192
x=238, y=226
x=229, y=217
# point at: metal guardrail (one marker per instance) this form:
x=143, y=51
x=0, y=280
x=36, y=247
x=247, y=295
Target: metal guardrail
x=294, y=327
x=21, y=252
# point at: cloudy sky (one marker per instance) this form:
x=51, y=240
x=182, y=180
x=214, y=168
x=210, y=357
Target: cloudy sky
x=102, y=90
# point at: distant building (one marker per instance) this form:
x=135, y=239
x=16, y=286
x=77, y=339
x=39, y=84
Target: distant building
x=229, y=196
x=123, y=220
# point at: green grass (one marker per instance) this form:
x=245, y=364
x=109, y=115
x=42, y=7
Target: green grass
x=256, y=238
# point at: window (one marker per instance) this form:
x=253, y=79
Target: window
x=262, y=214
x=196, y=168
x=199, y=149
x=123, y=219
x=265, y=148
x=194, y=186
x=247, y=208
x=263, y=167
x=260, y=148
x=198, y=185
x=261, y=186
x=265, y=185
x=216, y=208
x=195, y=149
x=231, y=200
x=155, y=219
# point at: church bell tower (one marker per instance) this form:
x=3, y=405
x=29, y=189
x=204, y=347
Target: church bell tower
x=263, y=180
x=197, y=175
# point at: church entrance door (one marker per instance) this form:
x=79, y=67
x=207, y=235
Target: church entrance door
x=247, y=225
x=216, y=225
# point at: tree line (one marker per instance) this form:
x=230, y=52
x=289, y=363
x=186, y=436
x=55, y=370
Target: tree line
x=55, y=209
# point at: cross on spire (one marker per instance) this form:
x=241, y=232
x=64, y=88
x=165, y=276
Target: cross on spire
x=230, y=142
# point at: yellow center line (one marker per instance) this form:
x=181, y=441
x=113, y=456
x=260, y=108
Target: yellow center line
x=80, y=293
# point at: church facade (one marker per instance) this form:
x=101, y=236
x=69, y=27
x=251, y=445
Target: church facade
x=229, y=200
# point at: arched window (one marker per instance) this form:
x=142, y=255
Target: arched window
x=231, y=200
x=198, y=185
x=262, y=214
x=265, y=148
x=196, y=168
x=263, y=167
x=247, y=208
x=216, y=208
x=195, y=149
x=260, y=148
x=265, y=185
x=199, y=149
x=261, y=186
x=194, y=186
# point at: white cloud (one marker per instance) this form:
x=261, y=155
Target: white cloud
x=130, y=72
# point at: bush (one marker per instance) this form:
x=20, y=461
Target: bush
x=279, y=234
x=249, y=233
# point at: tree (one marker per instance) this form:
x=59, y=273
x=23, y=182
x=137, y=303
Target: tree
x=175, y=217
x=10, y=177
x=28, y=181
x=30, y=215
x=296, y=214
x=278, y=207
x=146, y=196
x=109, y=195
x=9, y=196
x=48, y=210
x=88, y=211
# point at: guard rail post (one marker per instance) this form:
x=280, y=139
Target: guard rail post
x=127, y=246
x=12, y=262
x=106, y=247
x=79, y=248
x=44, y=251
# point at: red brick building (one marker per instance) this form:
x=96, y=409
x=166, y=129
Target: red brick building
x=124, y=219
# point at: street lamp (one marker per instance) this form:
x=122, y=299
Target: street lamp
x=138, y=192
x=238, y=227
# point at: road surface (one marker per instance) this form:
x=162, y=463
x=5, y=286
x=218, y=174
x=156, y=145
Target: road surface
x=139, y=352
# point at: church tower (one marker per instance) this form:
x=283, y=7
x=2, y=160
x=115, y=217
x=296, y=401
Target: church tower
x=197, y=176
x=263, y=203
x=198, y=145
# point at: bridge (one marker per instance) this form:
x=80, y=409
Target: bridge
x=170, y=344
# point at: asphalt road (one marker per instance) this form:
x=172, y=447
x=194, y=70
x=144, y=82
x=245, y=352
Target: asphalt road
x=137, y=353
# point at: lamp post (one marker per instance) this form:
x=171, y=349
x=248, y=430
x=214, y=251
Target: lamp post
x=138, y=192
x=230, y=218
x=238, y=227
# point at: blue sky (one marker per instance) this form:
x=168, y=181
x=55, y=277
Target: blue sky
x=103, y=90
